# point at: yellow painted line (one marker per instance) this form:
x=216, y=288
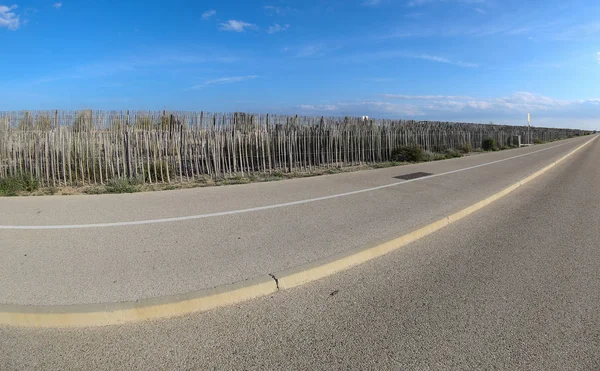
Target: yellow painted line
x=314, y=271
x=117, y=313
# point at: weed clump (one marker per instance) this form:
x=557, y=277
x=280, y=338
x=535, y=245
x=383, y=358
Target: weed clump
x=452, y=153
x=489, y=144
x=123, y=185
x=408, y=154
x=12, y=185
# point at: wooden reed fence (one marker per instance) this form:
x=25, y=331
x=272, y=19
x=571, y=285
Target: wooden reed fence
x=92, y=147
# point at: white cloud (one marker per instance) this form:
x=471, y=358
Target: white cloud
x=209, y=13
x=412, y=3
x=57, y=5
x=319, y=107
x=435, y=58
x=360, y=108
x=438, y=59
x=8, y=18
x=381, y=79
x=517, y=102
x=480, y=11
x=367, y=56
x=225, y=80
x=309, y=50
x=598, y=57
x=371, y=2
x=278, y=28
x=577, y=31
x=277, y=10
x=174, y=57
x=424, y=97
x=513, y=109
x=236, y=26
x=415, y=15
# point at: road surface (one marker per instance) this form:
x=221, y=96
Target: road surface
x=515, y=285
x=96, y=256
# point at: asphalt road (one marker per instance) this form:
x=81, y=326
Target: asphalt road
x=513, y=286
x=127, y=262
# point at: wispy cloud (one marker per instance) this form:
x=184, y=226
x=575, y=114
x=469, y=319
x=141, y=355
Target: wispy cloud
x=236, y=26
x=278, y=28
x=413, y=3
x=405, y=34
x=361, y=107
x=511, y=109
x=480, y=11
x=404, y=54
x=517, y=103
x=414, y=15
x=598, y=57
x=305, y=51
x=278, y=10
x=8, y=18
x=209, y=13
x=381, y=79
x=57, y=5
x=372, y=2
x=425, y=97
x=225, y=80
x=505, y=26
x=577, y=31
x=103, y=69
x=319, y=107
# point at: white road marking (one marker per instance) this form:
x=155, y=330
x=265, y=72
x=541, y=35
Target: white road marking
x=261, y=208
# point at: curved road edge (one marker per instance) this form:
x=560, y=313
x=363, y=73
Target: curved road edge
x=87, y=315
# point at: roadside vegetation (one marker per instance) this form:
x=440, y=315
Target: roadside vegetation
x=63, y=152
x=26, y=185
x=18, y=184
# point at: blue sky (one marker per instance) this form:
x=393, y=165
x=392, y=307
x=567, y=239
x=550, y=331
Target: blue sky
x=455, y=60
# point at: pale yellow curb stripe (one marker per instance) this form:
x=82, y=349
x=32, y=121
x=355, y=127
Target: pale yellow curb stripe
x=176, y=305
x=118, y=313
x=314, y=271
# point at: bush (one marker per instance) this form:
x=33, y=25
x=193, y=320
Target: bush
x=433, y=156
x=122, y=185
x=538, y=141
x=408, y=154
x=12, y=185
x=489, y=144
x=95, y=190
x=452, y=153
x=466, y=148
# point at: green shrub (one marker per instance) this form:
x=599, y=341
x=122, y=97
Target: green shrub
x=452, y=153
x=278, y=174
x=489, y=144
x=408, y=154
x=12, y=185
x=95, y=190
x=538, y=141
x=433, y=156
x=122, y=185
x=466, y=148
x=49, y=191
